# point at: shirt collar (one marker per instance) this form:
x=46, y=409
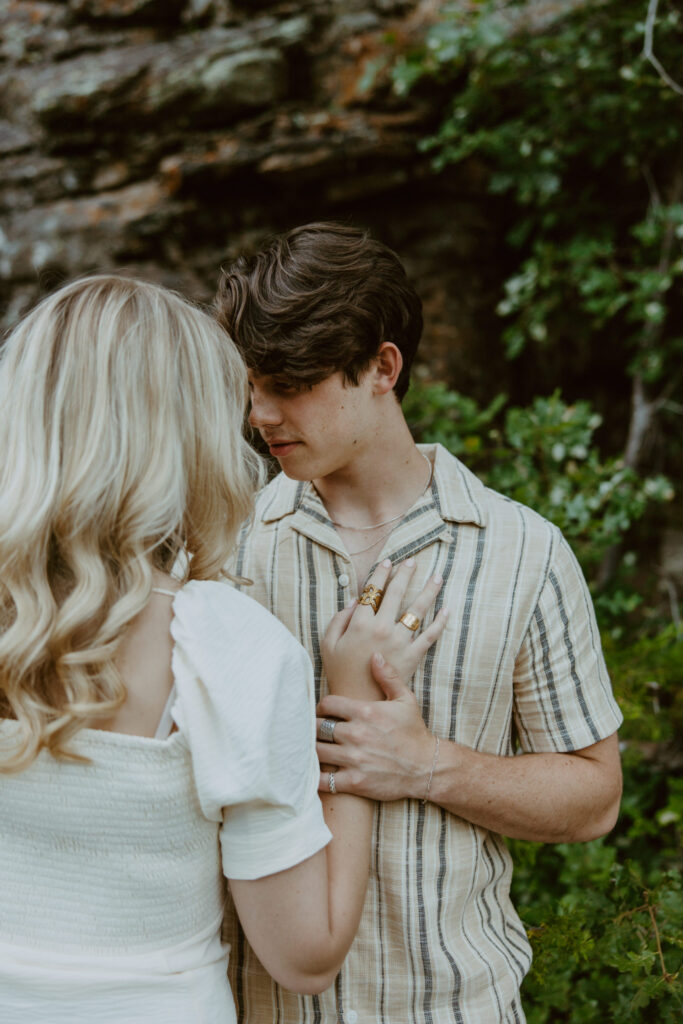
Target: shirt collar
x=458, y=495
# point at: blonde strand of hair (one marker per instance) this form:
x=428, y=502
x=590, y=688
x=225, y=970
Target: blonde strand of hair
x=121, y=413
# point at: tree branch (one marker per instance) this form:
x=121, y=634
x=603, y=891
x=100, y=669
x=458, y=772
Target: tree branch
x=643, y=408
x=648, y=47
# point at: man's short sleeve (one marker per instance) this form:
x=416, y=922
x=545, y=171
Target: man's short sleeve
x=563, y=696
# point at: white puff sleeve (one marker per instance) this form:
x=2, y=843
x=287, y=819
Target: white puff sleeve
x=245, y=707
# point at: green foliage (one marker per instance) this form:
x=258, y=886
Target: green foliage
x=605, y=918
x=606, y=932
x=577, y=128
x=544, y=457
x=567, y=119
x=648, y=672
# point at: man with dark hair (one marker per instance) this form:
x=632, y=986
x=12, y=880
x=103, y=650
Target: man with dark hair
x=509, y=728
x=319, y=299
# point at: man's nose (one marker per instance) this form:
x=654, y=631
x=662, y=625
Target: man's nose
x=264, y=411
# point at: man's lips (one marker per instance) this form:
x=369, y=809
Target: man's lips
x=279, y=448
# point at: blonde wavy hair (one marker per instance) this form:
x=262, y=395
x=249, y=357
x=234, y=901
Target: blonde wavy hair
x=121, y=430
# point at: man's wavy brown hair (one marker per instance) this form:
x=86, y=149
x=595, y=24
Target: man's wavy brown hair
x=319, y=299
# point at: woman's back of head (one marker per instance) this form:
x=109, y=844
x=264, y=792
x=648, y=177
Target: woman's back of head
x=121, y=414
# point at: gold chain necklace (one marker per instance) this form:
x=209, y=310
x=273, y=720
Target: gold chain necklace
x=376, y=526
x=374, y=544
x=386, y=522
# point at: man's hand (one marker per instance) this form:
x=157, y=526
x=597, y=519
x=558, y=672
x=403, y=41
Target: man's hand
x=382, y=750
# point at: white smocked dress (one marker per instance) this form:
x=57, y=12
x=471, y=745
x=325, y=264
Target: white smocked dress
x=111, y=872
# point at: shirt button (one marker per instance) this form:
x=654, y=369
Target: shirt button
x=343, y=581
x=351, y=1017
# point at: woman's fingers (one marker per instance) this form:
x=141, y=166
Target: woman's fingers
x=339, y=623
x=427, y=596
x=377, y=581
x=396, y=590
x=424, y=640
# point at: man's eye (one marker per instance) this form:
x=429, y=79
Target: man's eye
x=279, y=388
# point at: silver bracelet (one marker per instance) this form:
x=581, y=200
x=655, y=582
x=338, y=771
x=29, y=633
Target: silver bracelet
x=425, y=798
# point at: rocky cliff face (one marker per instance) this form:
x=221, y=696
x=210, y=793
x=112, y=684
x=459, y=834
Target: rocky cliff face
x=167, y=136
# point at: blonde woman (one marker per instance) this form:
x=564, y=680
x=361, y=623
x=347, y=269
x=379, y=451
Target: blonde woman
x=156, y=732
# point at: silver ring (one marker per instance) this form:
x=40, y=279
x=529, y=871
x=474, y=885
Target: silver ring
x=327, y=729
x=331, y=784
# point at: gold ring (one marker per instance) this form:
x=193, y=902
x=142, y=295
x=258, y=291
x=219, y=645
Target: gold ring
x=410, y=621
x=371, y=595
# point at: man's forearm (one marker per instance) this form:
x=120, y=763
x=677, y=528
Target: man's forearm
x=384, y=751
x=543, y=797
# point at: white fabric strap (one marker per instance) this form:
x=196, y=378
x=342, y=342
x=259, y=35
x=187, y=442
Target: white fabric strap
x=166, y=722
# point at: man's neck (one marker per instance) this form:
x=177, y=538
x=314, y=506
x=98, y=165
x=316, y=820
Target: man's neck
x=385, y=479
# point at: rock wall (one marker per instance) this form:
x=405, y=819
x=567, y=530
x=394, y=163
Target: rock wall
x=167, y=136
x=164, y=137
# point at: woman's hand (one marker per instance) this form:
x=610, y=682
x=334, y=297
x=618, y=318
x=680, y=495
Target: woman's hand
x=357, y=632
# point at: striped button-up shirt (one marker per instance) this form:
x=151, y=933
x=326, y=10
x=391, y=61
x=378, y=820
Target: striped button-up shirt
x=519, y=667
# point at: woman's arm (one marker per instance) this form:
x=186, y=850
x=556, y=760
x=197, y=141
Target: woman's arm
x=302, y=921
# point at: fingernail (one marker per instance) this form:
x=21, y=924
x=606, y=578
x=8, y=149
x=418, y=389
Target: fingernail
x=410, y=562
x=445, y=612
x=379, y=658
x=437, y=577
x=386, y=564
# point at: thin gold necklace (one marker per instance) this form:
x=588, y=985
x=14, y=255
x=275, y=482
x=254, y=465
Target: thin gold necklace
x=376, y=526
x=374, y=544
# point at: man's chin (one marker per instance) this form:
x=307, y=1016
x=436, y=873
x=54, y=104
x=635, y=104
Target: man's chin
x=293, y=473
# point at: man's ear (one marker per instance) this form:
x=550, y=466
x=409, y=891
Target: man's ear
x=386, y=367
